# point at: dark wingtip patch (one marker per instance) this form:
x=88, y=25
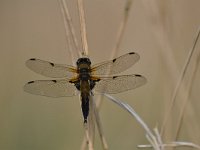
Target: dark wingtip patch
x=30, y=82
x=33, y=59
x=54, y=81
x=114, y=77
x=131, y=53
x=138, y=75
x=114, y=60
x=52, y=64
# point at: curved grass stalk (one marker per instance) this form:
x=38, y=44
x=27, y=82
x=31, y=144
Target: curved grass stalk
x=154, y=139
x=149, y=134
x=174, y=144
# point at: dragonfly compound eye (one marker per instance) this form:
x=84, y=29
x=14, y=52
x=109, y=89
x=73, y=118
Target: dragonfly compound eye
x=83, y=61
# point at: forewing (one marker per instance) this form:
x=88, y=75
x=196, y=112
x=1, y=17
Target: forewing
x=116, y=65
x=51, y=88
x=118, y=84
x=49, y=69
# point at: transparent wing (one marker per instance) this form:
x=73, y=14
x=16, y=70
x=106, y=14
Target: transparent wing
x=118, y=84
x=49, y=69
x=51, y=88
x=116, y=65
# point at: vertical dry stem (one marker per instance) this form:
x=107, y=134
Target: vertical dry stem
x=90, y=133
x=69, y=30
x=120, y=34
x=90, y=130
x=193, y=63
x=91, y=121
x=122, y=27
x=99, y=126
x=115, y=50
x=183, y=87
x=88, y=140
x=83, y=27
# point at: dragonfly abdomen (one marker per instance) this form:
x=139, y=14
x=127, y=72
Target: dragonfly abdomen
x=85, y=106
x=85, y=93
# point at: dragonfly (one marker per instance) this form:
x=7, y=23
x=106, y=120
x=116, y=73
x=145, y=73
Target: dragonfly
x=84, y=79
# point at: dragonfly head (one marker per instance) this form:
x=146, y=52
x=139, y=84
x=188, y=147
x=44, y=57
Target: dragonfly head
x=83, y=61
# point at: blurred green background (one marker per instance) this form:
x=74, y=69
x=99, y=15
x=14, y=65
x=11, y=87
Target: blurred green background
x=162, y=32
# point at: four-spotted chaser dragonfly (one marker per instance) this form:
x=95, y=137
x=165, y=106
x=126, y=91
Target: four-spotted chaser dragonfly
x=84, y=78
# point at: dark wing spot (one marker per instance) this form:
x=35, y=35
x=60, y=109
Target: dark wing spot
x=114, y=77
x=131, y=53
x=54, y=81
x=52, y=64
x=32, y=59
x=97, y=80
x=114, y=60
x=30, y=82
x=137, y=75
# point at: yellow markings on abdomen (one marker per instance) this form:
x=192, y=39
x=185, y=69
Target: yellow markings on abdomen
x=85, y=87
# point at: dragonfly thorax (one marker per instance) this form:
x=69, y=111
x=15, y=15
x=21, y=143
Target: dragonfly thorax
x=84, y=74
x=83, y=67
